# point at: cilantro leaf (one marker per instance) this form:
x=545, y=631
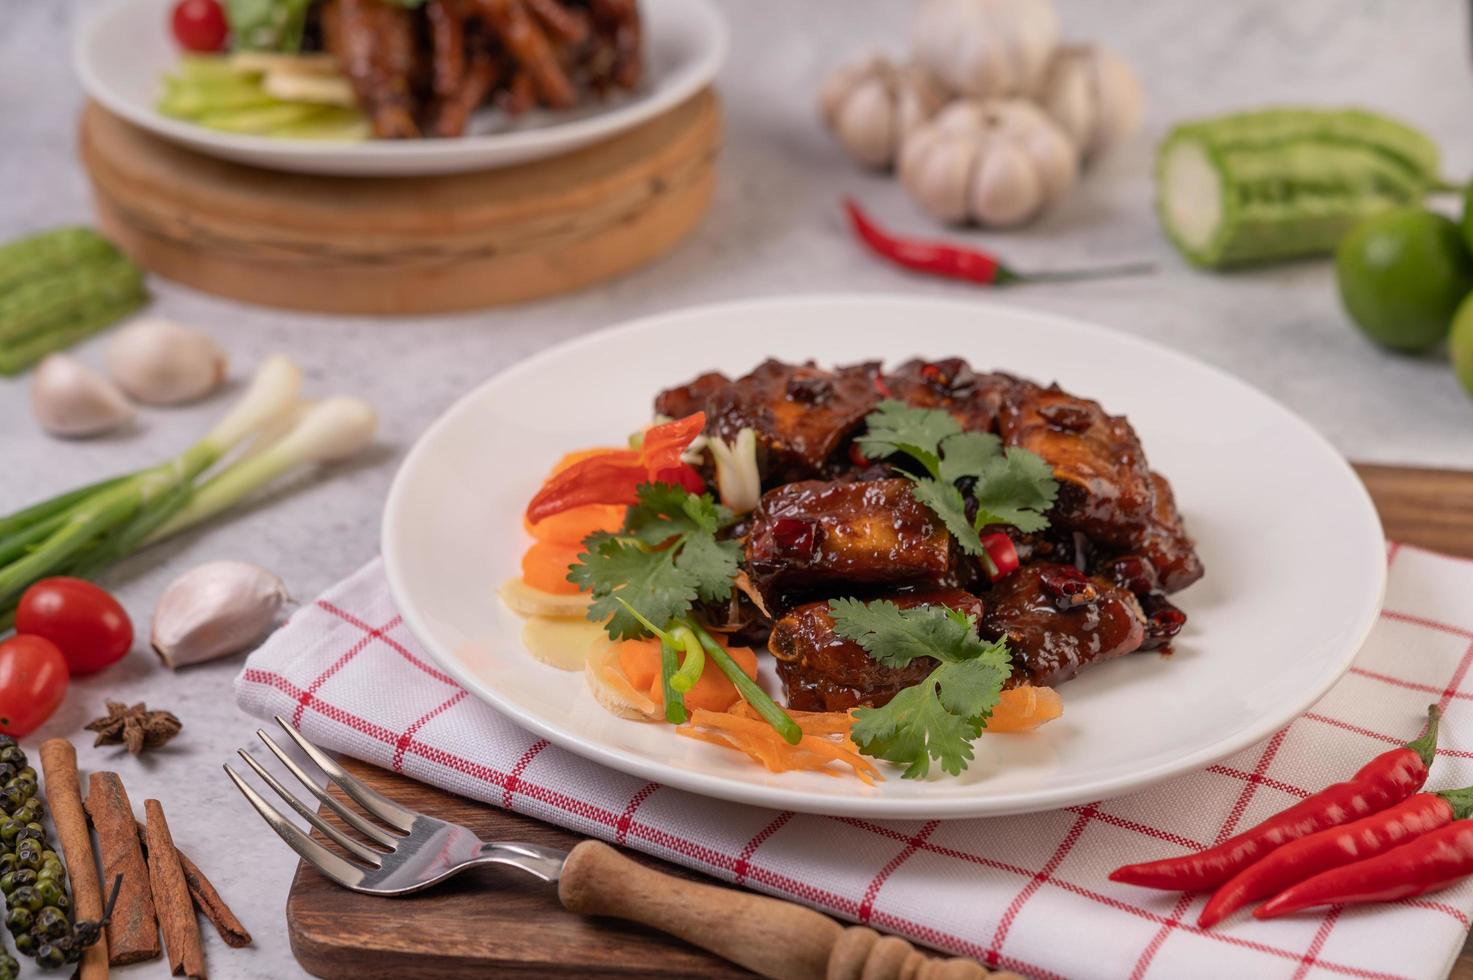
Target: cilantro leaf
x=665, y=558
x=968, y=454
x=711, y=564
x=946, y=502
x=895, y=427
x=939, y=717
x=1015, y=489
x=616, y=568
x=664, y=511
x=935, y=719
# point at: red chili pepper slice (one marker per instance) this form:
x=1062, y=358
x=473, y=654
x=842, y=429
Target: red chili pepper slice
x=612, y=477
x=1383, y=782
x=1003, y=554
x=1359, y=840
x=949, y=261
x=1432, y=861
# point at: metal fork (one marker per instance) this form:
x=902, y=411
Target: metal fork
x=766, y=935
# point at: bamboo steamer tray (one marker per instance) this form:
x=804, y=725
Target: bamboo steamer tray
x=403, y=245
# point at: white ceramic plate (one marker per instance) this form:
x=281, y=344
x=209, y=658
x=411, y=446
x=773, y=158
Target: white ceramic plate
x=1293, y=548
x=121, y=53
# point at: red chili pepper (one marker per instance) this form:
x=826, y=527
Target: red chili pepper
x=1365, y=838
x=959, y=262
x=1432, y=861
x=614, y=476
x=1001, y=554
x=1383, y=782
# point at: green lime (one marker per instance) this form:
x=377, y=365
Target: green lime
x=1468, y=216
x=1460, y=344
x=1402, y=274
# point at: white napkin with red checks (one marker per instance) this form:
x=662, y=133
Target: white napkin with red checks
x=1025, y=893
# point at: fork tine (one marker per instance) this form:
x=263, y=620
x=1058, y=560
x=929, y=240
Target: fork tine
x=344, y=872
x=365, y=854
x=351, y=817
x=371, y=800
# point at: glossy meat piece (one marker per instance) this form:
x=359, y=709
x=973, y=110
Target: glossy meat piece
x=802, y=414
x=1105, y=486
x=951, y=385
x=822, y=671
x=1164, y=541
x=375, y=41
x=814, y=533
x=1055, y=626
x=686, y=399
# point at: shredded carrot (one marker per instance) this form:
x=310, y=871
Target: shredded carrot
x=761, y=742
x=811, y=722
x=1022, y=709
x=640, y=661
x=545, y=567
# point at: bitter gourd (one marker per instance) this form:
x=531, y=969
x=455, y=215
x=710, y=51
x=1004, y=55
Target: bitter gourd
x=48, y=251
x=1286, y=182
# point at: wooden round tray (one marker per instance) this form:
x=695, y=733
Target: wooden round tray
x=403, y=245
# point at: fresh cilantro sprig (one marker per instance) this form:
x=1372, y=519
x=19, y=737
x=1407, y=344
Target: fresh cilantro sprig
x=1011, y=486
x=939, y=717
x=665, y=558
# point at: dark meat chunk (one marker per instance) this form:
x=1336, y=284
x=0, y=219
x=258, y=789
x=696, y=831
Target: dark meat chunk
x=810, y=534
x=375, y=41
x=822, y=671
x=1056, y=620
x=687, y=399
x=801, y=414
x=951, y=385
x=1165, y=543
x=1105, y=487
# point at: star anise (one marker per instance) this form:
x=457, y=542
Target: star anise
x=136, y=727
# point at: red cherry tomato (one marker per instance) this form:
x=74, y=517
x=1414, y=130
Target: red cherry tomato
x=33, y=679
x=84, y=621
x=199, y=25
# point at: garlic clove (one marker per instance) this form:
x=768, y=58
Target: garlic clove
x=215, y=610
x=71, y=400
x=865, y=124
x=161, y=362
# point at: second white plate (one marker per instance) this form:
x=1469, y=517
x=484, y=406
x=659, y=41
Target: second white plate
x=1293, y=548
x=122, y=53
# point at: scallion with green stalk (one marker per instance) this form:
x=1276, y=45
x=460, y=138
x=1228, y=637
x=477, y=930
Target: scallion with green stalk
x=83, y=532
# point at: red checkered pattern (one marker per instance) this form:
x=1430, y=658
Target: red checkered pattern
x=1026, y=893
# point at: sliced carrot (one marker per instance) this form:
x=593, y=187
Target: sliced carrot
x=1022, y=709
x=640, y=661
x=572, y=526
x=545, y=567
x=758, y=739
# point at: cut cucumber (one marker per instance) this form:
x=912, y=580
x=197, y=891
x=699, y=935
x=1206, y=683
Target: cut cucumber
x=1283, y=183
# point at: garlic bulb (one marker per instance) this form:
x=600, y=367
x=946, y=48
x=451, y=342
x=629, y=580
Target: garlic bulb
x=984, y=48
x=219, y=608
x=998, y=162
x=70, y=399
x=161, y=362
x=1093, y=95
x=871, y=106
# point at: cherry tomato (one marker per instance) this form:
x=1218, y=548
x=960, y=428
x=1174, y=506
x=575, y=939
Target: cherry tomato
x=84, y=621
x=33, y=678
x=199, y=25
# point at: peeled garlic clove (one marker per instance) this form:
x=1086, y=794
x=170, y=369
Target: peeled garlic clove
x=219, y=608
x=165, y=363
x=70, y=399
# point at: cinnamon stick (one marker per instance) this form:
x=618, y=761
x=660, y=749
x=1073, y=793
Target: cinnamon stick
x=207, y=899
x=171, y=894
x=64, y=799
x=133, y=933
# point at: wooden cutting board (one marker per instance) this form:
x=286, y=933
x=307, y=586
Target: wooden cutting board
x=403, y=245
x=500, y=923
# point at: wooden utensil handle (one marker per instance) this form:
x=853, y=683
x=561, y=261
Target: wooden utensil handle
x=766, y=935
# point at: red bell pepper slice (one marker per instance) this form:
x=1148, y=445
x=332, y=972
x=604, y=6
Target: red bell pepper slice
x=614, y=476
